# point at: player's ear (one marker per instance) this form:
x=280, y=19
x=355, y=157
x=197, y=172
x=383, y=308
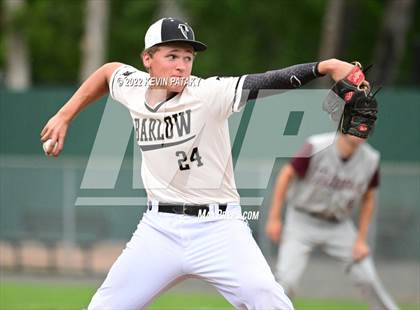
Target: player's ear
x=146, y=58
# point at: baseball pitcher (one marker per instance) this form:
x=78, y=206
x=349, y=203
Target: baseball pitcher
x=181, y=128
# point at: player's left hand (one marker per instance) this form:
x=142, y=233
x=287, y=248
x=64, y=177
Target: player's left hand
x=360, y=250
x=339, y=70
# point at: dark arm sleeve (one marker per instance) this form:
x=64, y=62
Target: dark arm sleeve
x=287, y=78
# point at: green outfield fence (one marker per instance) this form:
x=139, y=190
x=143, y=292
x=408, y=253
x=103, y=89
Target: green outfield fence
x=38, y=194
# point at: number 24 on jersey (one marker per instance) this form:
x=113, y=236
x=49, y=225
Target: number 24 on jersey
x=184, y=162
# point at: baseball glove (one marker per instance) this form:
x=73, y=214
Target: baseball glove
x=357, y=115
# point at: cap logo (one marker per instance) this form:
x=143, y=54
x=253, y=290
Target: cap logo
x=184, y=29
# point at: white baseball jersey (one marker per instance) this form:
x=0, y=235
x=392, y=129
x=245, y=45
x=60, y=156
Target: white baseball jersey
x=332, y=186
x=184, y=141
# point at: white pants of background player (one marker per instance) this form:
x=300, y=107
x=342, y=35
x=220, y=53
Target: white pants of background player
x=167, y=248
x=303, y=232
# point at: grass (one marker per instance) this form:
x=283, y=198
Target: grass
x=26, y=296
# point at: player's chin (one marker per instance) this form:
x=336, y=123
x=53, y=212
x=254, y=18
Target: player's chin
x=175, y=88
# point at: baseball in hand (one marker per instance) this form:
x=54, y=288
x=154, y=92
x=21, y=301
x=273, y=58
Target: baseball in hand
x=47, y=144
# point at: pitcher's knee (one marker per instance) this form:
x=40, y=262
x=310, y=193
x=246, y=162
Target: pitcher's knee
x=266, y=294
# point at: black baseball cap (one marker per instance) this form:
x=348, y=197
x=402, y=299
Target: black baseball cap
x=171, y=30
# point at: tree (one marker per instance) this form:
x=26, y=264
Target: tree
x=171, y=8
x=95, y=37
x=392, y=40
x=331, y=32
x=18, y=70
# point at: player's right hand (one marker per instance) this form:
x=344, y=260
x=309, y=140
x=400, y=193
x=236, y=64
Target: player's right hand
x=273, y=229
x=55, y=129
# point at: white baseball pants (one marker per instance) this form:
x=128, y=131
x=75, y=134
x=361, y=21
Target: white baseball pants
x=167, y=248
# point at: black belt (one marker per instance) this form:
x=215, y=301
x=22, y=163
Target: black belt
x=187, y=209
x=329, y=218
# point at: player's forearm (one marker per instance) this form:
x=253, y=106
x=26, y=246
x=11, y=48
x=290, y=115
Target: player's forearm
x=368, y=206
x=91, y=90
x=287, y=78
x=294, y=76
x=276, y=206
x=279, y=193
